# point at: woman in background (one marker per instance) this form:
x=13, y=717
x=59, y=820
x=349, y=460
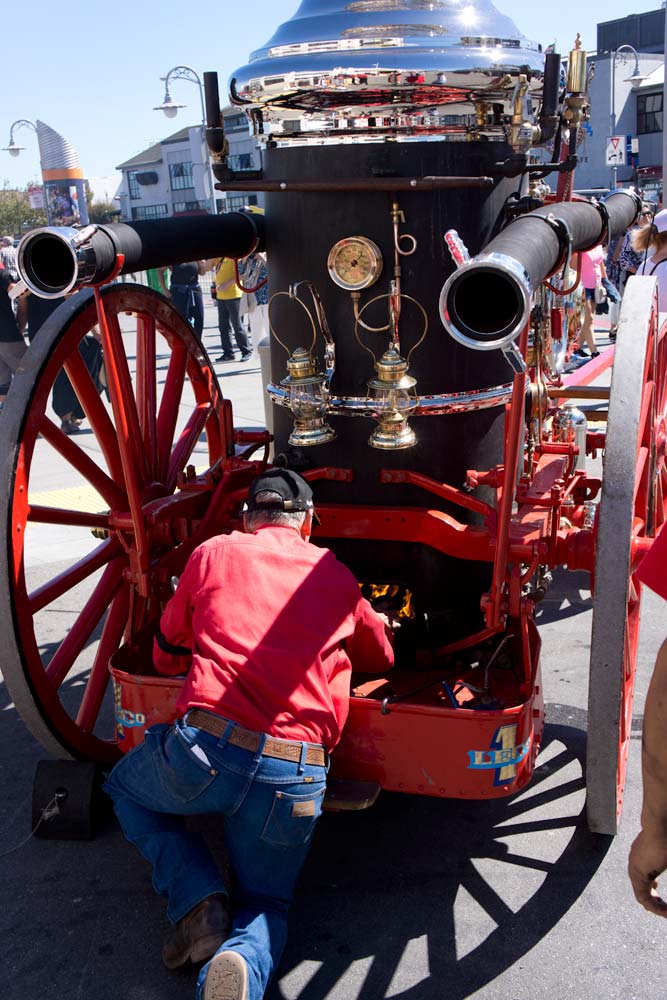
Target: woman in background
x=651, y=244
x=592, y=273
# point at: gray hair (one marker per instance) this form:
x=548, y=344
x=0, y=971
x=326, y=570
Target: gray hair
x=254, y=519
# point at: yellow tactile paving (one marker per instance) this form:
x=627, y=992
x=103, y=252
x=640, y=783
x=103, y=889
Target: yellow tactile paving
x=83, y=497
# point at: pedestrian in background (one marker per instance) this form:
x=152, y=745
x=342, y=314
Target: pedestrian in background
x=253, y=275
x=630, y=259
x=8, y=256
x=651, y=243
x=12, y=344
x=227, y=296
x=32, y=313
x=157, y=278
x=592, y=273
x=186, y=292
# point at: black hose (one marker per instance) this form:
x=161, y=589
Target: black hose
x=549, y=117
x=52, y=261
x=486, y=301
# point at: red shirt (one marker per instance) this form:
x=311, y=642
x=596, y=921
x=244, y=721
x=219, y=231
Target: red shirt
x=274, y=624
x=653, y=567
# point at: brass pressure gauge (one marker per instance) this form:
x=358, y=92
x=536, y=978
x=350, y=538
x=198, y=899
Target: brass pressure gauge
x=354, y=263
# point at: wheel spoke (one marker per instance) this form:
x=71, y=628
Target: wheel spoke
x=147, y=389
x=51, y=591
x=72, y=645
x=187, y=442
x=98, y=680
x=123, y=403
x=96, y=413
x=71, y=518
x=171, y=400
x=127, y=423
x=77, y=457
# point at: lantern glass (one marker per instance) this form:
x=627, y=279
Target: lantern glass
x=392, y=397
x=307, y=400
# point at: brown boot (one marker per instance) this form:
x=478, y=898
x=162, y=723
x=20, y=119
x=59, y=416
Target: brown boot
x=199, y=934
x=227, y=978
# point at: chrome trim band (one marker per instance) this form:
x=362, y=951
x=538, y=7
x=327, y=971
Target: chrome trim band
x=427, y=406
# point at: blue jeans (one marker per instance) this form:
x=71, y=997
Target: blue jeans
x=189, y=301
x=270, y=807
x=229, y=318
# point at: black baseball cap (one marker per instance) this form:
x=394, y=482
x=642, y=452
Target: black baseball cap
x=294, y=492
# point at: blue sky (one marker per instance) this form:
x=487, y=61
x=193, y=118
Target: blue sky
x=92, y=71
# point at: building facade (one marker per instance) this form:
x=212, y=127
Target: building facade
x=171, y=178
x=625, y=103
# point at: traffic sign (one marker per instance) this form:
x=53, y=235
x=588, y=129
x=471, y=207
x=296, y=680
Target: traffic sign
x=615, y=152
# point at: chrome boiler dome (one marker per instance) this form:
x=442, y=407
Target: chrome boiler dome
x=370, y=68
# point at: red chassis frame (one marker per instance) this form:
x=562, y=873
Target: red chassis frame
x=419, y=743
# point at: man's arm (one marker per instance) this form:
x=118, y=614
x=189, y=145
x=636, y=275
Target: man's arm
x=370, y=649
x=22, y=312
x=648, y=855
x=172, y=649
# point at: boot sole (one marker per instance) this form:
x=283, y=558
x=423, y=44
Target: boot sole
x=227, y=978
x=200, y=951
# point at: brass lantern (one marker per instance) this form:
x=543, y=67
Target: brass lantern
x=307, y=399
x=307, y=388
x=393, y=397
x=392, y=394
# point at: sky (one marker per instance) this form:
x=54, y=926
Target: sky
x=92, y=71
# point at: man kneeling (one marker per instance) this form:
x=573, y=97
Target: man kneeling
x=267, y=627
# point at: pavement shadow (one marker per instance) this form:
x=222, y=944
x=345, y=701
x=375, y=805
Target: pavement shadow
x=416, y=898
x=440, y=891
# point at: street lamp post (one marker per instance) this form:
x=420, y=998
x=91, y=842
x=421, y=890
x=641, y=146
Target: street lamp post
x=636, y=77
x=13, y=148
x=170, y=109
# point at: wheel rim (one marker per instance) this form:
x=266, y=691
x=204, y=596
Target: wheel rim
x=144, y=441
x=632, y=506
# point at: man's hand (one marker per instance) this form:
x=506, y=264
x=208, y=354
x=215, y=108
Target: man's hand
x=647, y=860
x=391, y=620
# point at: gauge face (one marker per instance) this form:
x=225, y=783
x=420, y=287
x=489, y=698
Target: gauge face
x=354, y=263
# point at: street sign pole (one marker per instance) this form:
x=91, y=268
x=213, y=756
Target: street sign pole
x=612, y=111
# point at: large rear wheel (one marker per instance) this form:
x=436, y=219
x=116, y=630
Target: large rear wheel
x=88, y=518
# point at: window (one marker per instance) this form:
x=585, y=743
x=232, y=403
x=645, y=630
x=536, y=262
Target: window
x=240, y=161
x=180, y=175
x=150, y=212
x=190, y=206
x=237, y=202
x=649, y=113
x=133, y=184
x=236, y=123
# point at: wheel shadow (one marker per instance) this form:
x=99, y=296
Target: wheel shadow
x=421, y=892
x=416, y=898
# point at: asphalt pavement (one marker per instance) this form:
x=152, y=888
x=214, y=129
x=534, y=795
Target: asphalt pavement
x=416, y=898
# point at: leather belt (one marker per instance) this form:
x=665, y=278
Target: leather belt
x=247, y=739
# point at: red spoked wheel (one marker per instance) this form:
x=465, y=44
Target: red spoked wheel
x=96, y=523
x=632, y=506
